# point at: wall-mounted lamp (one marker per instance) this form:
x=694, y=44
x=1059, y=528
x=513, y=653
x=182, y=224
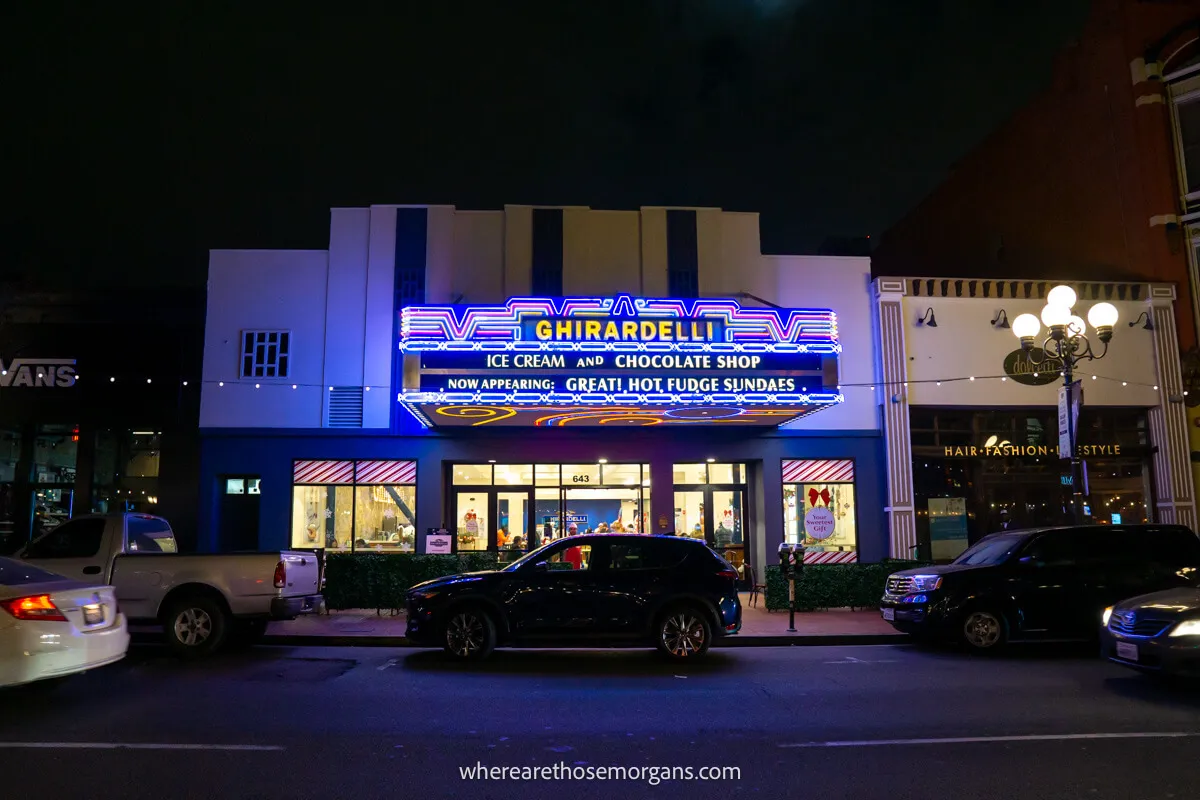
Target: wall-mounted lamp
x=928, y=319
x=1001, y=320
x=1149, y=323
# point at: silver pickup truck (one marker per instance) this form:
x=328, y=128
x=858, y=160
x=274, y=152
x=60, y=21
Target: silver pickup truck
x=200, y=600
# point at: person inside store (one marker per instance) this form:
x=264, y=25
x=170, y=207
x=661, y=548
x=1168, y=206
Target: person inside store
x=501, y=538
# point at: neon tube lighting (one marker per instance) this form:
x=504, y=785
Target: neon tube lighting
x=746, y=329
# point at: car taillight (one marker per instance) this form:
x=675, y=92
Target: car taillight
x=280, y=575
x=729, y=573
x=35, y=608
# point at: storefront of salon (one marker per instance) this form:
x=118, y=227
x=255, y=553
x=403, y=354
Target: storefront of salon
x=974, y=423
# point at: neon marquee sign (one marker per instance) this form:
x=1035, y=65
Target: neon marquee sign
x=596, y=355
x=514, y=325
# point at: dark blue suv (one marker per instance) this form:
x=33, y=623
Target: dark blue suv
x=605, y=589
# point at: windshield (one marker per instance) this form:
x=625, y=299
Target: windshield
x=532, y=557
x=992, y=550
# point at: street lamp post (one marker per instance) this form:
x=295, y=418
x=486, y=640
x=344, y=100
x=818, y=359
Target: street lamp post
x=1067, y=341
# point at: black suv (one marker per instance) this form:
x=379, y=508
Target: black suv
x=1046, y=583
x=603, y=589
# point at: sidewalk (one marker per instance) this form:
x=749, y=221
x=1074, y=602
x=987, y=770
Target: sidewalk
x=364, y=628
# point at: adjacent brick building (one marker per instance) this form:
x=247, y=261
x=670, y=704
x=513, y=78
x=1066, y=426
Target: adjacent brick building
x=1096, y=179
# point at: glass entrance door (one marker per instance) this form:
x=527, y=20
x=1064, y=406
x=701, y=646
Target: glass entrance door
x=472, y=521
x=728, y=523
x=715, y=515
x=513, y=523
x=612, y=510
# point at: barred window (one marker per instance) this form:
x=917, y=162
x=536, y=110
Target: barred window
x=265, y=354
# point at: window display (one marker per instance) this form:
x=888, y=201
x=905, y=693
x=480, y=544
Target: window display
x=819, y=511
x=363, y=506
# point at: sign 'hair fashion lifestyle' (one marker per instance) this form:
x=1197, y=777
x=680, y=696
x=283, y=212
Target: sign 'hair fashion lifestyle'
x=648, y=355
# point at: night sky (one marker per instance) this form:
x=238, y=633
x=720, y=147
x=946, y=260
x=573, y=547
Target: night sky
x=138, y=141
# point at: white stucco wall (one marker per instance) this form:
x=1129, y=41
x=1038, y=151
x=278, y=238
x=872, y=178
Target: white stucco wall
x=338, y=304
x=965, y=344
x=841, y=283
x=255, y=290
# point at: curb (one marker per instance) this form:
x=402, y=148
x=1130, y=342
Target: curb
x=834, y=640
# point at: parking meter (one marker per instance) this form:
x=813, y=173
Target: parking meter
x=791, y=559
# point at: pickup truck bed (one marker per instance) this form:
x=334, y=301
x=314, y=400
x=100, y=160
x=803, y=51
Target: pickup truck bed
x=200, y=599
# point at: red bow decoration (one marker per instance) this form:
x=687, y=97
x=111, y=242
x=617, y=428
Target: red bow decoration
x=814, y=496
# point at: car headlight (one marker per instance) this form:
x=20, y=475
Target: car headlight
x=1189, y=627
x=424, y=594
x=926, y=583
x=1106, y=616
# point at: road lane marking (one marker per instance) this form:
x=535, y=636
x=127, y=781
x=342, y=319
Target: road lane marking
x=251, y=748
x=1035, y=737
x=391, y=663
x=853, y=660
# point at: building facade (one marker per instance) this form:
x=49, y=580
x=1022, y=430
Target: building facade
x=99, y=397
x=508, y=376
x=972, y=426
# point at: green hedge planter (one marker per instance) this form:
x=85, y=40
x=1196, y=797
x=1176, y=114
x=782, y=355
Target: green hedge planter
x=379, y=580
x=833, y=585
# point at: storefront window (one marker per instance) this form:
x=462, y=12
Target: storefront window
x=125, y=471
x=513, y=475
x=385, y=518
x=581, y=474
x=621, y=474
x=726, y=473
x=363, y=506
x=690, y=473
x=819, y=511
x=978, y=472
x=547, y=474
x=323, y=517
x=472, y=474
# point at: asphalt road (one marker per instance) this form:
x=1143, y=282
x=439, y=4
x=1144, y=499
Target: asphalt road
x=825, y=722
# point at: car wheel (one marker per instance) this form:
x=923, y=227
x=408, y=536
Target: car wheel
x=684, y=632
x=984, y=630
x=195, y=627
x=469, y=634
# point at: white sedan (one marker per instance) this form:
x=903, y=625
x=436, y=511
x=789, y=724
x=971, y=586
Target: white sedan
x=51, y=626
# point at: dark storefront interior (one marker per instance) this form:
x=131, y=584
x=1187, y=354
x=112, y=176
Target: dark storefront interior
x=978, y=472
x=120, y=435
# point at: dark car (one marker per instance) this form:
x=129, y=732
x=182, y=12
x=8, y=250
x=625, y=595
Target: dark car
x=1046, y=583
x=1156, y=633
x=609, y=589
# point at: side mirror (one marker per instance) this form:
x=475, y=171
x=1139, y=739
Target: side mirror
x=1030, y=561
x=541, y=566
